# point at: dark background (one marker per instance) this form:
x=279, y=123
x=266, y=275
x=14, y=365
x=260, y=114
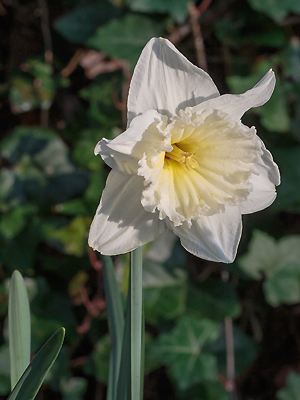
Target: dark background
x=65, y=67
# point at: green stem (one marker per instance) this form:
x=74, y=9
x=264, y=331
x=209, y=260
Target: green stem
x=136, y=323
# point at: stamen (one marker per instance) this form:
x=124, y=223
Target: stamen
x=178, y=155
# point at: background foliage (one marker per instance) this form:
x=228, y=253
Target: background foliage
x=65, y=68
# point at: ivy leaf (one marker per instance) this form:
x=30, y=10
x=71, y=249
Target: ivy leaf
x=288, y=191
x=176, y=8
x=184, y=354
x=164, y=293
x=261, y=257
x=214, y=300
x=284, y=286
x=71, y=237
x=292, y=389
x=98, y=362
x=81, y=22
x=279, y=262
x=276, y=9
x=268, y=257
x=123, y=38
x=245, y=350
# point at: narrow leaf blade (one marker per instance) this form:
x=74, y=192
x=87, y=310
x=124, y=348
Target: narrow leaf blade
x=19, y=328
x=32, y=379
x=116, y=323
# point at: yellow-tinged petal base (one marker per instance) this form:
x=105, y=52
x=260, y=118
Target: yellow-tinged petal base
x=207, y=166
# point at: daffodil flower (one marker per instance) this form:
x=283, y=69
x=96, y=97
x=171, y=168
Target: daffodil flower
x=186, y=162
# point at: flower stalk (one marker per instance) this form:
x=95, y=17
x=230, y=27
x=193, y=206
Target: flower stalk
x=136, y=323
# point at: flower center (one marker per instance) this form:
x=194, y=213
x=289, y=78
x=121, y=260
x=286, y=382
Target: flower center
x=181, y=156
x=205, y=168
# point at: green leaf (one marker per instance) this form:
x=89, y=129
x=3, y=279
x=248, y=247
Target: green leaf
x=289, y=190
x=98, y=362
x=19, y=328
x=209, y=390
x=214, y=300
x=266, y=256
x=5, y=386
x=183, y=351
x=292, y=389
x=35, y=87
x=13, y=221
x=115, y=320
x=82, y=21
x=164, y=292
x=284, y=286
x=72, y=237
x=21, y=95
x=123, y=38
x=245, y=350
x=73, y=388
x=261, y=257
x=176, y=8
x=279, y=262
x=276, y=9
x=33, y=377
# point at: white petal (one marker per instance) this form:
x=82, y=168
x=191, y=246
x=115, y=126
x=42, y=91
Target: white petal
x=161, y=249
x=261, y=197
x=271, y=168
x=237, y=104
x=166, y=81
x=213, y=238
x=123, y=152
x=263, y=185
x=120, y=223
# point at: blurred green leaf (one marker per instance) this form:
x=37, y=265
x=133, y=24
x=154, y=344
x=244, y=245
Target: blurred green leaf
x=291, y=59
x=82, y=21
x=292, y=389
x=183, y=351
x=214, y=300
x=276, y=9
x=206, y=390
x=283, y=287
x=73, y=237
x=7, y=182
x=262, y=256
x=123, y=38
x=279, y=262
x=176, y=8
x=32, y=379
x=35, y=87
x=98, y=362
x=245, y=350
x=19, y=328
x=21, y=95
x=288, y=191
x=13, y=221
x=267, y=256
x=4, y=370
x=102, y=96
x=164, y=292
x=73, y=388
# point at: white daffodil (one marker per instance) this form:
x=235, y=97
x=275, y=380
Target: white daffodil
x=186, y=162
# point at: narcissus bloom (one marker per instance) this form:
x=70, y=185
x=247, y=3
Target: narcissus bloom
x=185, y=163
